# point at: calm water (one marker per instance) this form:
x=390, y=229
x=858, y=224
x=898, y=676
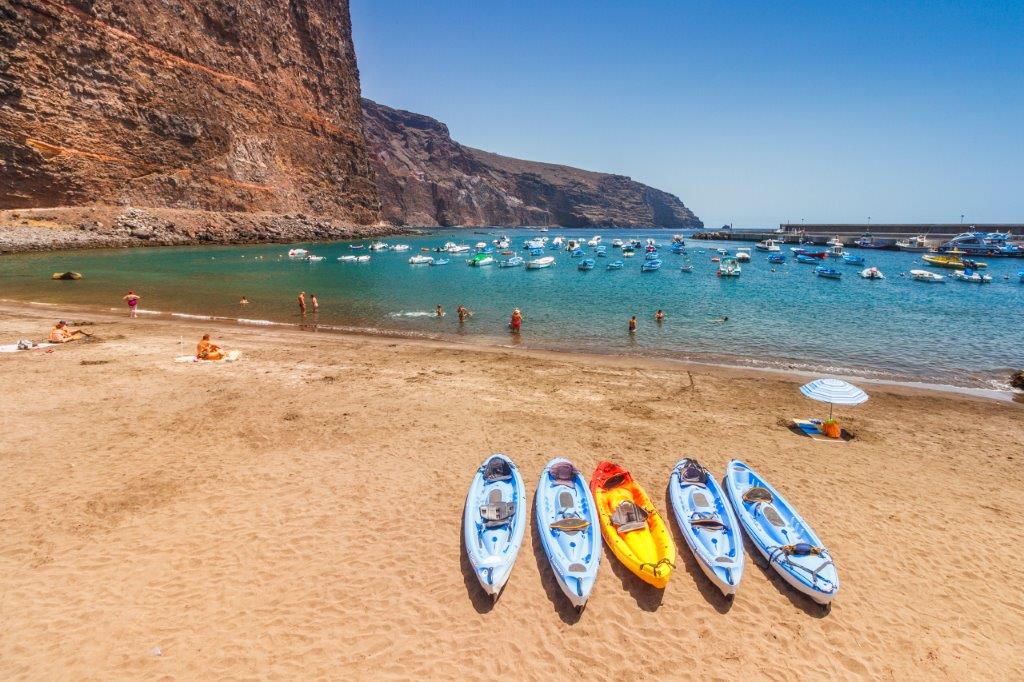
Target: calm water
x=957, y=333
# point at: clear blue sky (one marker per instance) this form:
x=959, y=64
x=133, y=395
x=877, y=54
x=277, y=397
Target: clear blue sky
x=753, y=113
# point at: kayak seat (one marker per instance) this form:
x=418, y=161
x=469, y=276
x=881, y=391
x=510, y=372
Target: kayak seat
x=497, y=511
x=614, y=481
x=577, y=568
x=693, y=473
x=497, y=469
x=570, y=525
x=563, y=473
x=565, y=501
x=707, y=521
x=700, y=500
x=758, y=494
x=628, y=516
x=773, y=516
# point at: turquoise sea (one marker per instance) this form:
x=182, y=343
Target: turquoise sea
x=953, y=333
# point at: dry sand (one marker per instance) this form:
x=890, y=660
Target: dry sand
x=297, y=515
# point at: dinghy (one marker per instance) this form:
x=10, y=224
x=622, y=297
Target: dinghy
x=776, y=259
x=439, y=261
x=781, y=535
x=708, y=524
x=420, y=260
x=539, y=263
x=480, y=260
x=872, y=273
x=494, y=521
x=586, y=264
x=513, y=262
x=804, y=258
x=650, y=265
x=400, y=247
x=972, y=276
x=827, y=272
x=615, y=265
x=927, y=276
x=634, y=530
x=851, y=259
x=567, y=523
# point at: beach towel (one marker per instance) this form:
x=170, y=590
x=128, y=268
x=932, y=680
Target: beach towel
x=229, y=356
x=813, y=431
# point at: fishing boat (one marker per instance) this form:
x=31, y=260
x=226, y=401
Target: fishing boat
x=800, y=251
x=513, y=262
x=650, y=265
x=400, y=247
x=480, y=260
x=768, y=245
x=827, y=272
x=776, y=259
x=677, y=239
x=869, y=242
x=916, y=244
x=952, y=260
x=538, y=263
x=480, y=246
x=728, y=267
x=569, y=528
x=457, y=248
x=586, y=264
x=677, y=248
x=743, y=255
x=378, y=246
x=615, y=265
x=440, y=261
x=576, y=253
x=804, y=258
x=780, y=534
x=595, y=240
x=494, y=520
x=872, y=273
x=420, y=260
x=297, y=253
x=836, y=251
x=852, y=259
x=708, y=524
x=972, y=276
x=502, y=242
x=573, y=245
x=535, y=243
x=927, y=276
x=651, y=244
x=835, y=241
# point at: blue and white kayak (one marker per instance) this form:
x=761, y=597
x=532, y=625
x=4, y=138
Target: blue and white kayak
x=494, y=522
x=708, y=524
x=567, y=524
x=781, y=535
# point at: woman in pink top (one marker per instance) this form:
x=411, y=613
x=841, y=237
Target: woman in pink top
x=132, y=299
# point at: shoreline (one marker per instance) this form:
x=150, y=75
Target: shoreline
x=481, y=344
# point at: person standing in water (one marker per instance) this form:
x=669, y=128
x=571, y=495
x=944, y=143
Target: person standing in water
x=632, y=325
x=516, y=323
x=463, y=313
x=315, y=303
x=302, y=302
x=439, y=311
x=244, y=301
x=132, y=299
x=659, y=316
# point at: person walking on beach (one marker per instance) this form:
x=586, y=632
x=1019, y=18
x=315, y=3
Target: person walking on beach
x=632, y=325
x=132, y=299
x=302, y=302
x=315, y=303
x=516, y=323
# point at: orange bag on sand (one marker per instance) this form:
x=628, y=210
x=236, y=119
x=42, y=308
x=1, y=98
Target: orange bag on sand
x=832, y=429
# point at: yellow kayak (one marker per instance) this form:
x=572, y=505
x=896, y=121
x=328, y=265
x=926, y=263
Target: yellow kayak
x=954, y=262
x=634, y=530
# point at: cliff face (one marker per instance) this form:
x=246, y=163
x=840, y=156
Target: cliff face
x=217, y=105
x=426, y=178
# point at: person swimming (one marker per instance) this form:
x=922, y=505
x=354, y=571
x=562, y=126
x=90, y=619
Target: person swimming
x=207, y=350
x=723, y=318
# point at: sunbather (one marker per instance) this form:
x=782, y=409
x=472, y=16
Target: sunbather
x=207, y=350
x=61, y=334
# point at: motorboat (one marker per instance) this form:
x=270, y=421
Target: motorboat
x=628, y=251
x=686, y=267
x=972, y=276
x=916, y=244
x=536, y=252
x=982, y=244
x=872, y=273
x=836, y=251
x=586, y=264
x=615, y=265
x=439, y=261
x=616, y=243
x=357, y=247
x=454, y=248
x=722, y=252
x=927, y=276
x=297, y=253
x=480, y=260
x=365, y=258
x=480, y=246
x=314, y=259
x=601, y=251
x=677, y=248
x=636, y=243
x=542, y=262
x=576, y=253
x=835, y=241
x=513, y=262
x=728, y=267
x=768, y=245
x=651, y=243
x=535, y=243
x=799, y=250
x=650, y=265
x=595, y=240
x=651, y=255
x=557, y=241
x=347, y=259
x=852, y=259
x=804, y=258
x=379, y=246
x=743, y=255
x=420, y=260
x=827, y=272
x=502, y=242
x=952, y=260
x=776, y=259
x=677, y=239
x=400, y=247
x=870, y=242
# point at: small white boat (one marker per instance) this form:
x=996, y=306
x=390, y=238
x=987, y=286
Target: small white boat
x=542, y=262
x=872, y=273
x=558, y=241
x=595, y=240
x=926, y=276
x=616, y=243
x=347, y=259
x=362, y=259
x=297, y=253
x=451, y=247
x=481, y=245
x=768, y=245
x=917, y=245
x=743, y=254
x=835, y=241
x=972, y=276
x=728, y=267
x=314, y=259
x=400, y=247
x=378, y=246
x=420, y=260
x=535, y=243
x=677, y=239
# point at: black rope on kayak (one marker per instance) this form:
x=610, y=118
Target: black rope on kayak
x=781, y=555
x=655, y=567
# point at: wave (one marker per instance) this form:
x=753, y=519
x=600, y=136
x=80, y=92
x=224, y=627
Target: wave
x=413, y=313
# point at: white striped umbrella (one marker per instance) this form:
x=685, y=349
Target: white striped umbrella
x=834, y=392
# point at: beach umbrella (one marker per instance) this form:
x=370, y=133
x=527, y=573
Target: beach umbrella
x=834, y=392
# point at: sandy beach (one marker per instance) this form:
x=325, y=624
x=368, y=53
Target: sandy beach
x=296, y=514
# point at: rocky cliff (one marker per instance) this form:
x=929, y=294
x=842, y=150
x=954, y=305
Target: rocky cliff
x=426, y=178
x=240, y=106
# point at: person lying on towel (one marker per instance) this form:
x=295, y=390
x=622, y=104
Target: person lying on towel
x=61, y=334
x=207, y=350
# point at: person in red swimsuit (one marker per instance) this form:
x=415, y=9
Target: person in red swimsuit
x=516, y=322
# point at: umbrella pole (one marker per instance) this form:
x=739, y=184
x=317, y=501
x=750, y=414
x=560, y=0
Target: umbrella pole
x=830, y=411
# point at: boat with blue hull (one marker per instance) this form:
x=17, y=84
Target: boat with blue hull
x=851, y=259
x=586, y=264
x=827, y=272
x=776, y=259
x=494, y=521
x=650, y=265
x=708, y=524
x=992, y=244
x=513, y=262
x=615, y=265
x=781, y=535
x=807, y=260
x=567, y=523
